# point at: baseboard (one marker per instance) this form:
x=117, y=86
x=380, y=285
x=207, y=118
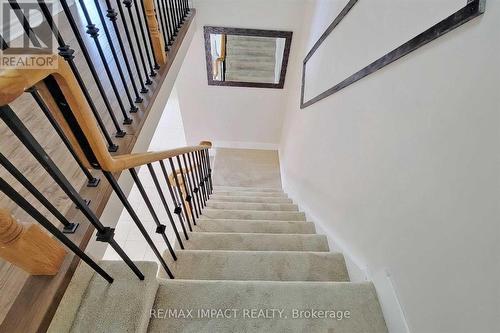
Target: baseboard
x=358, y=272
x=246, y=145
x=392, y=308
x=382, y=279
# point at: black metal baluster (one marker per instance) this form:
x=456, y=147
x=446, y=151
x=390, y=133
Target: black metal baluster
x=148, y=47
x=113, y=17
x=92, y=181
x=177, y=184
x=67, y=53
x=128, y=5
x=104, y=234
x=133, y=108
x=45, y=223
x=173, y=16
x=161, y=14
x=68, y=227
x=65, y=48
x=182, y=12
x=177, y=209
x=209, y=171
x=188, y=9
x=207, y=177
x=205, y=174
x=135, y=218
x=164, y=201
x=178, y=11
x=169, y=22
x=202, y=182
x=194, y=175
x=189, y=196
x=160, y=228
x=93, y=32
x=192, y=195
x=144, y=90
x=205, y=165
x=28, y=31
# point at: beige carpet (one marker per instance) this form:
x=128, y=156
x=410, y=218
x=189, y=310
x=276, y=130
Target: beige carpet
x=247, y=167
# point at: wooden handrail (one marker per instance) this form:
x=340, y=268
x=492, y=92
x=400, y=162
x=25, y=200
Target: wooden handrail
x=128, y=161
x=14, y=82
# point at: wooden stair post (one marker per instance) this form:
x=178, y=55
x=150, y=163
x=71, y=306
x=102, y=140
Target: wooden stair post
x=182, y=190
x=29, y=248
x=157, y=42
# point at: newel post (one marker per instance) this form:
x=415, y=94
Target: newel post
x=29, y=247
x=181, y=187
x=156, y=38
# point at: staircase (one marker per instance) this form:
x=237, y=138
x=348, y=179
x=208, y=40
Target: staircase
x=252, y=264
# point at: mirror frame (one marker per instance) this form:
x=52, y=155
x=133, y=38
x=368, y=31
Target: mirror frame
x=473, y=9
x=246, y=32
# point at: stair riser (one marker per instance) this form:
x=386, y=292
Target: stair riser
x=251, y=194
x=252, y=215
x=247, y=189
x=253, y=206
x=222, y=198
x=268, y=227
x=247, y=266
x=256, y=242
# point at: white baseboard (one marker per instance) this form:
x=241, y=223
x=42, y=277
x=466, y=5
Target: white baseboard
x=394, y=314
x=382, y=279
x=358, y=272
x=246, y=145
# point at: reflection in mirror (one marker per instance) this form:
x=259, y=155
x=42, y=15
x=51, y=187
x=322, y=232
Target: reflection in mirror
x=246, y=58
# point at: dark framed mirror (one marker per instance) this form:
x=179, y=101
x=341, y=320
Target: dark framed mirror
x=246, y=57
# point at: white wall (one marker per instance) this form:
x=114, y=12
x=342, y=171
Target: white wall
x=231, y=116
x=402, y=170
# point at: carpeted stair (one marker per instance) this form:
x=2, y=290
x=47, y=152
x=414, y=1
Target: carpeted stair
x=252, y=264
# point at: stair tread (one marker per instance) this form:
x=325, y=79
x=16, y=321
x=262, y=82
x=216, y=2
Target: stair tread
x=98, y=308
x=359, y=299
x=256, y=242
x=254, y=265
x=255, y=226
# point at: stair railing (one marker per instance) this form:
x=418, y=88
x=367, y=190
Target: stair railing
x=220, y=62
x=58, y=89
x=145, y=40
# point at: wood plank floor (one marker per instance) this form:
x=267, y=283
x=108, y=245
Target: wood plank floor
x=13, y=280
